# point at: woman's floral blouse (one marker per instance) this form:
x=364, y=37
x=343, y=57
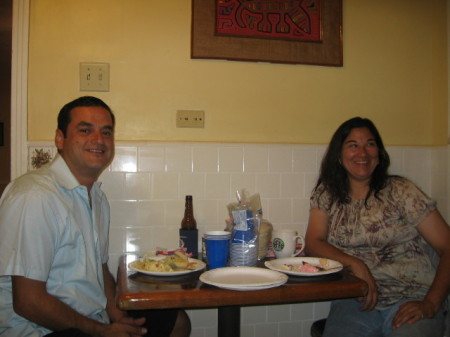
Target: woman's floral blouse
x=383, y=234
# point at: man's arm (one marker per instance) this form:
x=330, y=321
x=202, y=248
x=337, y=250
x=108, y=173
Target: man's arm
x=114, y=313
x=110, y=291
x=32, y=301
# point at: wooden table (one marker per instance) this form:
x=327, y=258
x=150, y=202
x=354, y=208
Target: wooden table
x=137, y=291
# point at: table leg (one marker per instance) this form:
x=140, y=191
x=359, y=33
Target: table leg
x=229, y=321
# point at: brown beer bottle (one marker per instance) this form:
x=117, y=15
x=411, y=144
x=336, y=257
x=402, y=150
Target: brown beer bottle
x=188, y=230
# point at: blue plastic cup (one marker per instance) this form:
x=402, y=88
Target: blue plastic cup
x=217, y=244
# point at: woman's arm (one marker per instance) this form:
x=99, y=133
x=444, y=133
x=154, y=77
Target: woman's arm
x=436, y=232
x=316, y=244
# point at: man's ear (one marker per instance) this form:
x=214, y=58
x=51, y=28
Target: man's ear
x=59, y=139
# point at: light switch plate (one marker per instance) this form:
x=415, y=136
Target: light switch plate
x=94, y=76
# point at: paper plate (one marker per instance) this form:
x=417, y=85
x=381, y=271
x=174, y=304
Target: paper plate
x=329, y=267
x=243, y=278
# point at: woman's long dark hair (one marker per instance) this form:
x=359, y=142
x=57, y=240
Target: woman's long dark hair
x=333, y=175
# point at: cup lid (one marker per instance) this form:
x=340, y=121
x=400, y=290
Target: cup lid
x=217, y=233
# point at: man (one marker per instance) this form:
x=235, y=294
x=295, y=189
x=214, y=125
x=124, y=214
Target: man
x=54, y=225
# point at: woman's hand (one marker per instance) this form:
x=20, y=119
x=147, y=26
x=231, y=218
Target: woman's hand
x=413, y=311
x=361, y=271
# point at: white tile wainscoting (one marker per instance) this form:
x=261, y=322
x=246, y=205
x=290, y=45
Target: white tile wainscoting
x=147, y=182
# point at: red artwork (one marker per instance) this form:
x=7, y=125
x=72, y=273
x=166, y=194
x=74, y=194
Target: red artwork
x=276, y=19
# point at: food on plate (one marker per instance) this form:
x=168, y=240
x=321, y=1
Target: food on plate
x=306, y=267
x=180, y=260
x=177, y=262
x=163, y=251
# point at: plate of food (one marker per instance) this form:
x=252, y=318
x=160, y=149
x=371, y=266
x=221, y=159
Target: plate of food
x=167, y=265
x=304, y=266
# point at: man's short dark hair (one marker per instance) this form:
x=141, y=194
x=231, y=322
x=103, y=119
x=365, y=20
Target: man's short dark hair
x=64, y=116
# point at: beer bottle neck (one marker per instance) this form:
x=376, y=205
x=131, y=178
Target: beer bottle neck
x=188, y=221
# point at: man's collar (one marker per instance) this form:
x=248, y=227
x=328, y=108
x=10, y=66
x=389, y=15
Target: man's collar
x=63, y=175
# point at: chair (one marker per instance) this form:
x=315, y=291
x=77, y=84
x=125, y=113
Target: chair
x=318, y=327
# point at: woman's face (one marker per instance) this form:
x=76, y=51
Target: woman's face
x=359, y=155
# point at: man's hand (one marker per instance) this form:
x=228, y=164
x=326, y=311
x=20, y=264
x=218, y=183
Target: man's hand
x=127, y=327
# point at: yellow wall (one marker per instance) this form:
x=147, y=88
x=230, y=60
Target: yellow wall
x=395, y=72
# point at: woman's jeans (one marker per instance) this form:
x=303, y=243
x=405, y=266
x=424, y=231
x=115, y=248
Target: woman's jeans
x=346, y=320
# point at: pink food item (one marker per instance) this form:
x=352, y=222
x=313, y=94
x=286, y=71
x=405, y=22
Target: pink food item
x=307, y=268
x=173, y=252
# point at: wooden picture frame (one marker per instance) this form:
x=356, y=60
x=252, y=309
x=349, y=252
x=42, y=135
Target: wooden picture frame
x=2, y=143
x=206, y=44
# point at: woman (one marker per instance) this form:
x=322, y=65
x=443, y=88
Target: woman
x=379, y=226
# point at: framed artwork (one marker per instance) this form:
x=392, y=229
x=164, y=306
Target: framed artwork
x=277, y=31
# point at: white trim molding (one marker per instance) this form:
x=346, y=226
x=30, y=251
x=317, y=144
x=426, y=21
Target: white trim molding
x=19, y=87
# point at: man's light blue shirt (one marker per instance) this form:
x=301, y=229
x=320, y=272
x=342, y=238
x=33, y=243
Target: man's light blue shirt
x=50, y=233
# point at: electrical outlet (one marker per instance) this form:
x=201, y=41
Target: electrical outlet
x=190, y=119
x=94, y=76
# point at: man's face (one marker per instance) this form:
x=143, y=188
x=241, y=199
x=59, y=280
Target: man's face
x=88, y=147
